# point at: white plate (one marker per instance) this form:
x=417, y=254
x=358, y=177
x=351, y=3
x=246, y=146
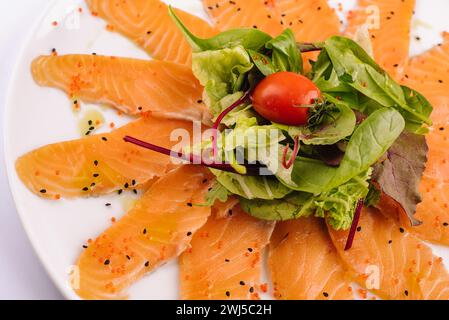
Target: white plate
x=38, y=116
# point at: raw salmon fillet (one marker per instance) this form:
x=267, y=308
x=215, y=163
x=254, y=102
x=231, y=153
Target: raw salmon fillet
x=305, y=265
x=389, y=27
x=391, y=262
x=157, y=229
x=310, y=20
x=147, y=23
x=99, y=164
x=243, y=14
x=133, y=86
x=224, y=261
x=428, y=73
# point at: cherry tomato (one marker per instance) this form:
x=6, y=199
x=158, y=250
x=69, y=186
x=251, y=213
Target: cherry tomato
x=285, y=98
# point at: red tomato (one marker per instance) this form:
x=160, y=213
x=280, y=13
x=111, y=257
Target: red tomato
x=285, y=98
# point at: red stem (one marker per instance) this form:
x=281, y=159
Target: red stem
x=355, y=223
x=251, y=169
x=290, y=162
x=220, y=119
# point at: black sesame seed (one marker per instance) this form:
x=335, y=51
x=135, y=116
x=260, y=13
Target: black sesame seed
x=92, y=184
x=250, y=249
x=107, y=262
x=135, y=191
x=108, y=204
x=200, y=101
x=87, y=133
x=440, y=81
x=85, y=189
x=96, y=175
x=189, y=234
x=326, y=294
x=149, y=32
x=85, y=247
x=406, y=292
x=140, y=108
x=43, y=191
x=120, y=191
x=89, y=122
x=189, y=204
x=94, y=54
x=104, y=139
x=147, y=264
x=251, y=289
x=92, y=128
x=128, y=257
x=390, y=241
x=445, y=224
x=227, y=260
x=359, y=229
x=96, y=162
x=401, y=230
x=144, y=231
x=242, y=283
x=133, y=182
x=228, y=294
x=126, y=185
x=205, y=181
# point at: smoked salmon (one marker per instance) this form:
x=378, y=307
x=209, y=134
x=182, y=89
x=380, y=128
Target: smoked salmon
x=133, y=86
x=99, y=164
x=304, y=264
x=390, y=261
x=243, y=14
x=389, y=24
x=428, y=73
x=225, y=260
x=147, y=23
x=158, y=228
x=302, y=17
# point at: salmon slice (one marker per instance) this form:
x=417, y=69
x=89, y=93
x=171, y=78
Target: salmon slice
x=302, y=17
x=157, y=229
x=391, y=262
x=147, y=23
x=224, y=261
x=243, y=14
x=224, y=209
x=99, y=164
x=304, y=264
x=133, y=86
x=389, y=23
x=428, y=73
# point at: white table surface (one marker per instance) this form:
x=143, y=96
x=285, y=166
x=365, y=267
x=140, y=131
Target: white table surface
x=21, y=273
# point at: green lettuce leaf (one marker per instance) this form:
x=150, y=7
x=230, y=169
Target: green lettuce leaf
x=251, y=187
x=221, y=72
x=286, y=56
x=337, y=205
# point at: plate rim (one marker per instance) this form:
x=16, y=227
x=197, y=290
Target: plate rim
x=62, y=287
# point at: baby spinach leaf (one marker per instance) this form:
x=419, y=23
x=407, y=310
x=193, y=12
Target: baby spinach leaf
x=356, y=68
x=367, y=145
x=400, y=174
x=262, y=62
x=337, y=125
x=253, y=39
x=286, y=55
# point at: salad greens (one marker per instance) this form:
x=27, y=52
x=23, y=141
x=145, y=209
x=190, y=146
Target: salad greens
x=361, y=116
